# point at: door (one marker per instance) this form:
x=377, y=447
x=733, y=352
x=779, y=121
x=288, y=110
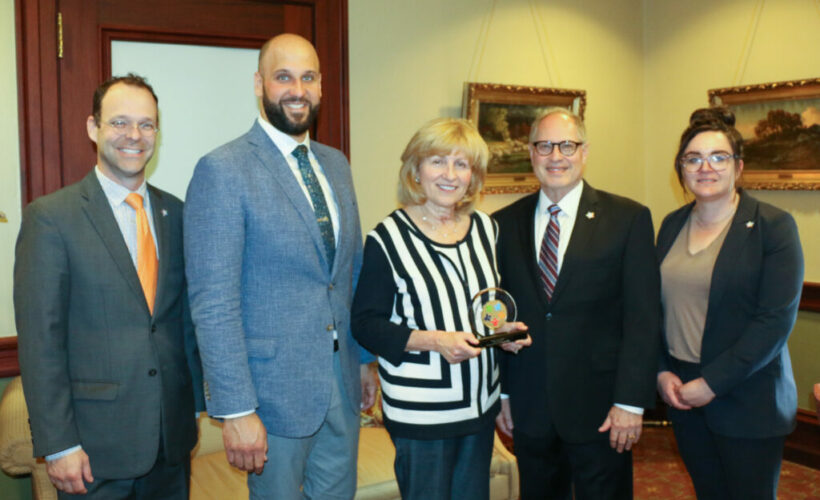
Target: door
x=64, y=53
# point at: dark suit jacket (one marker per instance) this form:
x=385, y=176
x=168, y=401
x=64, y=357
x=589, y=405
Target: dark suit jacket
x=98, y=369
x=596, y=343
x=753, y=301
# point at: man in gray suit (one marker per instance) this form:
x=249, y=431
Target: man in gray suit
x=273, y=248
x=107, y=350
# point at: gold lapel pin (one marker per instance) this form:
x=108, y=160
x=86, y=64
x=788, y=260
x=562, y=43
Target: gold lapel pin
x=590, y=215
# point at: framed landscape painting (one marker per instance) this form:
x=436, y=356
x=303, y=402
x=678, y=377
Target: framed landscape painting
x=780, y=125
x=503, y=115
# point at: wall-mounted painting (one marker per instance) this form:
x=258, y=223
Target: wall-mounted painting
x=503, y=115
x=780, y=125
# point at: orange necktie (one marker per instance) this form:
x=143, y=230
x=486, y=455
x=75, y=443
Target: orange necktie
x=146, y=251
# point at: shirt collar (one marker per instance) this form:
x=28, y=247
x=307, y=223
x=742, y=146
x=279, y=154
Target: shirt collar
x=568, y=204
x=116, y=193
x=284, y=143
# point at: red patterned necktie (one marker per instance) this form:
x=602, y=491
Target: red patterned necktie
x=548, y=256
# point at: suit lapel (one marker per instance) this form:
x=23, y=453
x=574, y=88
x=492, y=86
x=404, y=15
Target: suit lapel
x=98, y=211
x=526, y=241
x=158, y=213
x=582, y=231
x=726, y=264
x=274, y=161
x=673, y=227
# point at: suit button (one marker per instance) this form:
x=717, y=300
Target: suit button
x=153, y=328
x=152, y=372
x=330, y=286
x=548, y=316
x=330, y=328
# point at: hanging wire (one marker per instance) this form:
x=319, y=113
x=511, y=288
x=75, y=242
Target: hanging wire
x=748, y=42
x=543, y=39
x=481, y=43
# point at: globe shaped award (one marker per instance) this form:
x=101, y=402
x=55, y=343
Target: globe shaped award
x=493, y=308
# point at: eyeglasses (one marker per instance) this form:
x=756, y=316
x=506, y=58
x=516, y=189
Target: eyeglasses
x=718, y=161
x=146, y=129
x=566, y=148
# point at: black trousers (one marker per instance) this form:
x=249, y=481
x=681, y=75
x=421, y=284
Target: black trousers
x=721, y=467
x=550, y=468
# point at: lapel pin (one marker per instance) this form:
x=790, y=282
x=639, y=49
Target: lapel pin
x=590, y=215
x=164, y=212
x=750, y=224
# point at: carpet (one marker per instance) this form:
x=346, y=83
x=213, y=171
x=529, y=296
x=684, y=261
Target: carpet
x=659, y=473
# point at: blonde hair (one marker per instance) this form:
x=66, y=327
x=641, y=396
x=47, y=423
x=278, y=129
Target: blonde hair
x=441, y=137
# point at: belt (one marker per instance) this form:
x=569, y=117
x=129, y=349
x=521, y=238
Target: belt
x=335, y=345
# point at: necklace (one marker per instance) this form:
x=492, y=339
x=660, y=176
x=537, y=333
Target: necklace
x=443, y=227
x=719, y=220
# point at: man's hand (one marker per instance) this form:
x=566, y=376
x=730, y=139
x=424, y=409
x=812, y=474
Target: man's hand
x=370, y=384
x=519, y=344
x=504, y=419
x=246, y=442
x=696, y=393
x=669, y=386
x=624, y=428
x=67, y=473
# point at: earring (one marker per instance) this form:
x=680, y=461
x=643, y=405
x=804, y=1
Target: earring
x=417, y=180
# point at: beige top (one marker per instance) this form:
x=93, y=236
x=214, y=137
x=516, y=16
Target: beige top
x=685, y=282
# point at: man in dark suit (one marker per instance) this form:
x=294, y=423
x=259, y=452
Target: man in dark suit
x=107, y=352
x=581, y=266
x=273, y=247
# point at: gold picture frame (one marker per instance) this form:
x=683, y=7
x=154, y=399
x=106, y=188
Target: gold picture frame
x=780, y=125
x=503, y=115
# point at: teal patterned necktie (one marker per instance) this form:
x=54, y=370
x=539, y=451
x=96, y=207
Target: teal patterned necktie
x=317, y=196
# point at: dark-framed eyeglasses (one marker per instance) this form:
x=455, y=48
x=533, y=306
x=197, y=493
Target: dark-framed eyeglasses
x=718, y=161
x=566, y=148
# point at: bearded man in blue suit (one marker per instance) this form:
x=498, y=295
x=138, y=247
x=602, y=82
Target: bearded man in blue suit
x=273, y=248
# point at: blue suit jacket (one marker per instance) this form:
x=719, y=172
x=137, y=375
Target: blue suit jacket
x=753, y=303
x=263, y=299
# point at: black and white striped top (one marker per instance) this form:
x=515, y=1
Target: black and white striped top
x=408, y=282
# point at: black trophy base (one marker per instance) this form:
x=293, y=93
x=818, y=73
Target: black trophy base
x=501, y=338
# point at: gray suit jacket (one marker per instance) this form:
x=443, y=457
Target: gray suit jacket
x=263, y=300
x=98, y=369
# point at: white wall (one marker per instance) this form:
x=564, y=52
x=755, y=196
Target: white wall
x=10, y=164
x=409, y=61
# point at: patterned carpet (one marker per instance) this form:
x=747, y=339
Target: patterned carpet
x=659, y=473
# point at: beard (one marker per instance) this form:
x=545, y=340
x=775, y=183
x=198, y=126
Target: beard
x=279, y=119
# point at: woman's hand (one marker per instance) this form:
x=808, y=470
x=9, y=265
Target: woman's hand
x=668, y=386
x=456, y=346
x=519, y=344
x=696, y=393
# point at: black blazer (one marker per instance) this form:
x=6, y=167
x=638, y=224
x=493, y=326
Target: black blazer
x=753, y=301
x=98, y=368
x=597, y=342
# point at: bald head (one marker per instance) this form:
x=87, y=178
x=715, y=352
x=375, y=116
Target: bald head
x=286, y=45
x=288, y=84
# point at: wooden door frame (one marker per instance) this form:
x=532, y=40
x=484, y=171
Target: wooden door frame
x=38, y=70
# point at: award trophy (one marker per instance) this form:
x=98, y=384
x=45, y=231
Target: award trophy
x=493, y=308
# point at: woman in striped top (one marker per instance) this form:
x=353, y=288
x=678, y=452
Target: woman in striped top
x=422, y=266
